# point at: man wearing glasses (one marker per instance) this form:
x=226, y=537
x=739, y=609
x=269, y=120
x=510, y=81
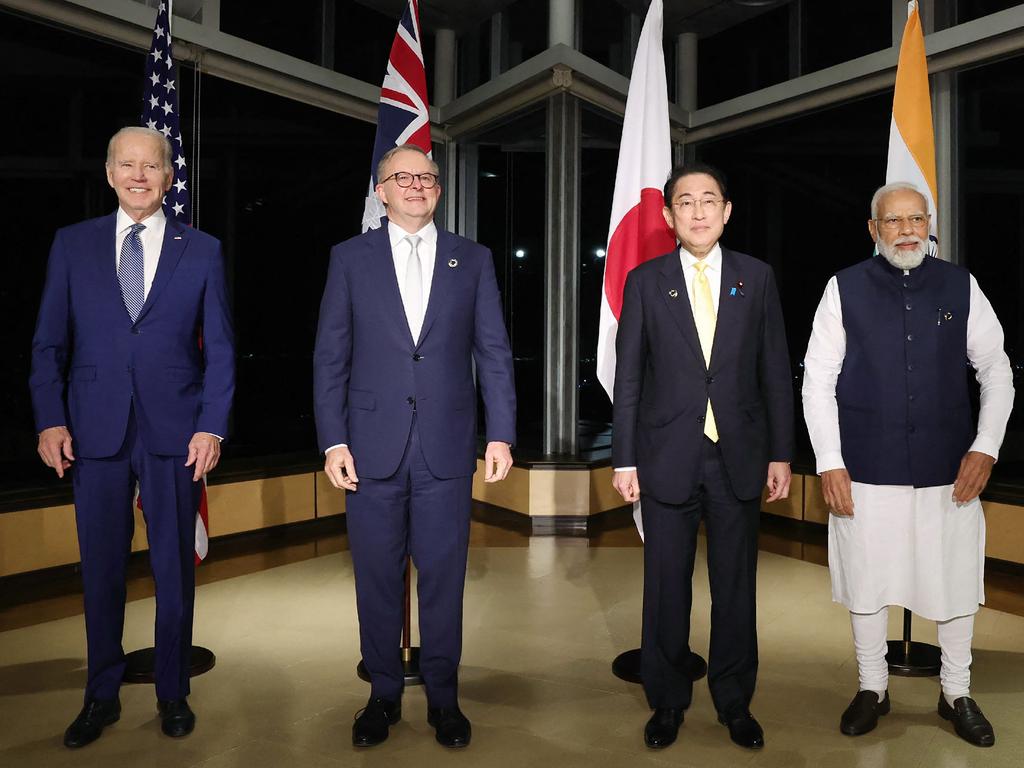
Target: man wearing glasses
x=703, y=420
x=902, y=461
x=407, y=311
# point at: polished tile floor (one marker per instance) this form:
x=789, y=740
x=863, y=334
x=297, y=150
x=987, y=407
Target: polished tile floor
x=544, y=618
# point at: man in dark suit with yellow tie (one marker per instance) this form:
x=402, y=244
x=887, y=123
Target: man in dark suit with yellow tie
x=703, y=419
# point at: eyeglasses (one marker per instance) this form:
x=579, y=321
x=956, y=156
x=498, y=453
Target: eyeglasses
x=689, y=205
x=896, y=223
x=404, y=179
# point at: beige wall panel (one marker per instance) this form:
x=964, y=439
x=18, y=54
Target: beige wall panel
x=254, y=504
x=815, y=510
x=139, y=540
x=554, y=492
x=37, y=538
x=1004, y=531
x=511, y=493
x=792, y=507
x=602, y=496
x=329, y=500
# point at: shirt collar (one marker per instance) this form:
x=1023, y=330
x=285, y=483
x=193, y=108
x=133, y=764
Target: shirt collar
x=124, y=221
x=713, y=259
x=428, y=234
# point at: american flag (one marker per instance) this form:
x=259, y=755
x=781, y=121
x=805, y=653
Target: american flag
x=160, y=110
x=402, y=117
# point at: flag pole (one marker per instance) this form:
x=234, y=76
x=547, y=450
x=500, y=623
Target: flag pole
x=140, y=664
x=912, y=158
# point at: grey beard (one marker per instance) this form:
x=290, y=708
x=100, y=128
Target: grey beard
x=903, y=259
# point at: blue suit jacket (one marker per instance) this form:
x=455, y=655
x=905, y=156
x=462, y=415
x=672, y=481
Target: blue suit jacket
x=662, y=385
x=369, y=376
x=89, y=361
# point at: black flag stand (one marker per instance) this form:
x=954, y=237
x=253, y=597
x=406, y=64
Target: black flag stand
x=410, y=653
x=909, y=658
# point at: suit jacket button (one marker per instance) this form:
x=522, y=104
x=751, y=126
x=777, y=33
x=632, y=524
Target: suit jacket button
x=700, y=419
x=410, y=400
x=417, y=358
x=710, y=379
x=135, y=331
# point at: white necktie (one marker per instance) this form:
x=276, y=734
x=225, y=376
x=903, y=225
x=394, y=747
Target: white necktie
x=414, y=288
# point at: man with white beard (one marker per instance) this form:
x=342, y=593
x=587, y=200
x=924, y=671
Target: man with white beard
x=902, y=462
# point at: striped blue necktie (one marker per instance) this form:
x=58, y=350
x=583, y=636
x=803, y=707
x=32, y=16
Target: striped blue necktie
x=130, y=272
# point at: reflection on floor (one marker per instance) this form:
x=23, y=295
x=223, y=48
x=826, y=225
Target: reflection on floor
x=544, y=618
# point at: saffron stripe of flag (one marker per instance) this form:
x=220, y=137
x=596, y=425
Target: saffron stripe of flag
x=911, y=135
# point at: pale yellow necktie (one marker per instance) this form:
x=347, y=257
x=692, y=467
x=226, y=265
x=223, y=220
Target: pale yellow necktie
x=704, y=317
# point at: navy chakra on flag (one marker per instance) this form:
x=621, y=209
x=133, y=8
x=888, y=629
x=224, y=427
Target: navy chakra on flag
x=160, y=112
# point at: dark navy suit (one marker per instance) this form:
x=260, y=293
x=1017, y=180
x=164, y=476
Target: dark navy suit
x=407, y=411
x=662, y=387
x=132, y=396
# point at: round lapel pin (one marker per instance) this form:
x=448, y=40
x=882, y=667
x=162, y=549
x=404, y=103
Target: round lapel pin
x=453, y=263
x=673, y=293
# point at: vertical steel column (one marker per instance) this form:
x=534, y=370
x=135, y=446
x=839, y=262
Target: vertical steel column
x=561, y=285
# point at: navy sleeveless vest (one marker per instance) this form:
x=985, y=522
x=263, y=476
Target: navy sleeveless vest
x=904, y=410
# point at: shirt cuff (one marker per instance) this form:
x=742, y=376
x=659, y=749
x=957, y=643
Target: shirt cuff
x=213, y=434
x=625, y=469
x=983, y=444
x=829, y=461
x=339, y=445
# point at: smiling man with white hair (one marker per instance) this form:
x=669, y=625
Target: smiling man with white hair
x=901, y=458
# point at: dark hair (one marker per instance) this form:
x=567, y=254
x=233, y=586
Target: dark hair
x=681, y=171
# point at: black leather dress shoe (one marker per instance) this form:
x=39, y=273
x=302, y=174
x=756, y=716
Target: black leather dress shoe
x=970, y=725
x=372, y=722
x=744, y=730
x=663, y=727
x=94, y=717
x=452, y=728
x=863, y=713
x=176, y=718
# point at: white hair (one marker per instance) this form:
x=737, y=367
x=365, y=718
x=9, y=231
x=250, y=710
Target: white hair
x=141, y=130
x=896, y=186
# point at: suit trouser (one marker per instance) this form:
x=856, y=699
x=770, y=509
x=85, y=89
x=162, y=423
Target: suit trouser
x=104, y=492
x=670, y=545
x=412, y=512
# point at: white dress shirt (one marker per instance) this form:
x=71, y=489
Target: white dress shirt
x=401, y=250
x=152, y=243
x=713, y=271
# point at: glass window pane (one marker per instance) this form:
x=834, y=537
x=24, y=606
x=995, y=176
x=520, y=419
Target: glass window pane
x=968, y=10
x=364, y=54
x=510, y=216
x=527, y=22
x=292, y=28
x=832, y=33
x=991, y=177
x=744, y=58
x=474, y=52
x=605, y=29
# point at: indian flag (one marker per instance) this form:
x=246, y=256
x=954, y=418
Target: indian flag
x=911, y=137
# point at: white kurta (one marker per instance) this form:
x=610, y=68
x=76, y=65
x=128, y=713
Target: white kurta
x=913, y=547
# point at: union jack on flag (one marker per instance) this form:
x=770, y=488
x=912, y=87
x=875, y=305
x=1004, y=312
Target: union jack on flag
x=402, y=117
x=160, y=111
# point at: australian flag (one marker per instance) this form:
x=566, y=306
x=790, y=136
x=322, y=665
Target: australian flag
x=160, y=111
x=402, y=117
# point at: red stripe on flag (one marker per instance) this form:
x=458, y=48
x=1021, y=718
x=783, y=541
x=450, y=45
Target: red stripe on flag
x=641, y=235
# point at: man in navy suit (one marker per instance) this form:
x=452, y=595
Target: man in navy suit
x=703, y=419
x=407, y=311
x=123, y=392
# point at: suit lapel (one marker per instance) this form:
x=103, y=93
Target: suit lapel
x=382, y=263
x=443, y=274
x=106, y=262
x=728, y=308
x=176, y=238
x=672, y=288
